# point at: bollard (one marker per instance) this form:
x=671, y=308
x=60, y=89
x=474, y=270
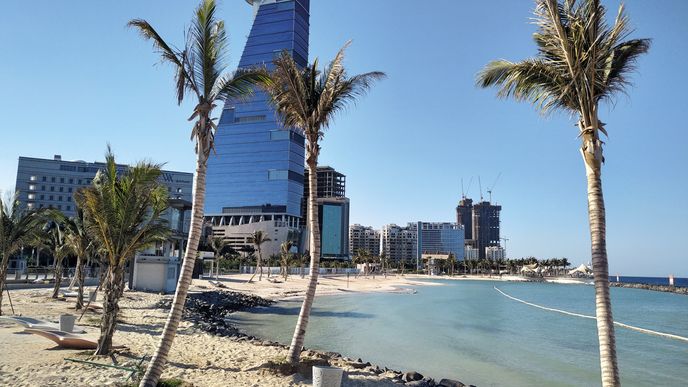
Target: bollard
x=324, y=376
x=67, y=322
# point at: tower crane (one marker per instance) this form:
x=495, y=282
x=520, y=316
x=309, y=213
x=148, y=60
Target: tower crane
x=489, y=191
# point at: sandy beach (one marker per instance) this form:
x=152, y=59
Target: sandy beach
x=197, y=357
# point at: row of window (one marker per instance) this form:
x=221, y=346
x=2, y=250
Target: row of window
x=62, y=180
x=33, y=187
x=31, y=206
x=50, y=197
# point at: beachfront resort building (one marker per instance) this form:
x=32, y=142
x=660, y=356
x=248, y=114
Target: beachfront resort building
x=397, y=243
x=495, y=253
x=255, y=176
x=481, y=223
x=364, y=238
x=51, y=183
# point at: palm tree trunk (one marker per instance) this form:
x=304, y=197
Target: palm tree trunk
x=154, y=370
x=79, y=275
x=302, y=322
x=3, y=276
x=113, y=289
x=259, y=266
x=58, y=277
x=603, y=310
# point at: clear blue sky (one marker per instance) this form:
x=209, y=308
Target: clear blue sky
x=73, y=78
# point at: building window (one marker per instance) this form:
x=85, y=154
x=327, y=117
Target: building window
x=59, y=207
x=42, y=188
x=32, y=187
x=69, y=198
x=69, y=208
x=71, y=181
x=62, y=180
x=40, y=206
x=245, y=119
x=52, y=197
x=69, y=189
x=276, y=174
x=32, y=178
x=79, y=181
x=45, y=178
x=279, y=135
x=32, y=196
x=61, y=189
x=30, y=206
x=179, y=190
x=42, y=197
x=52, y=188
x=59, y=198
x=52, y=179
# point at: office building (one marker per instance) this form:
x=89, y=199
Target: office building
x=438, y=238
x=255, y=176
x=51, y=183
x=364, y=238
x=333, y=213
x=258, y=162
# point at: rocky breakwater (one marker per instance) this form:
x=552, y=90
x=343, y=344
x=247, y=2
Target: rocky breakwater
x=657, y=288
x=208, y=310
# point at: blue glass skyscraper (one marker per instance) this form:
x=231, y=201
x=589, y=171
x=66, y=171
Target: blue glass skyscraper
x=258, y=165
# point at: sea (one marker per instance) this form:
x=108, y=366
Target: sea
x=469, y=331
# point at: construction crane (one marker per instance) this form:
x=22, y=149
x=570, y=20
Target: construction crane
x=489, y=191
x=480, y=185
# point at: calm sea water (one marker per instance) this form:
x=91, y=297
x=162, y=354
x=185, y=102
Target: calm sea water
x=468, y=331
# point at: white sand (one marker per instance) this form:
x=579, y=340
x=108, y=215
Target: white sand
x=196, y=357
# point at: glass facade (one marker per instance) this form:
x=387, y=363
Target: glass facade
x=435, y=238
x=258, y=162
x=331, y=229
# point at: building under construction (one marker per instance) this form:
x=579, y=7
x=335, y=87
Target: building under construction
x=481, y=224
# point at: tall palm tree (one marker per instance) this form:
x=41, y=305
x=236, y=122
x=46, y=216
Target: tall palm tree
x=217, y=244
x=81, y=245
x=199, y=69
x=56, y=242
x=124, y=212
x=17, y=228
x=581, y=62
x=308, y=99
x=285, y=252
x=257, y=239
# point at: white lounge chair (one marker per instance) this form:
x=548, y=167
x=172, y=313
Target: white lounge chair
x=34, y=323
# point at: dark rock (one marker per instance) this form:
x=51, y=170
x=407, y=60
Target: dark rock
x=334, y=355
x=412, y=376
x=418, y=383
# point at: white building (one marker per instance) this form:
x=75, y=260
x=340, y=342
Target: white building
x=494, y=253
x=398, y=243
x=471, y=252
x=364, y=238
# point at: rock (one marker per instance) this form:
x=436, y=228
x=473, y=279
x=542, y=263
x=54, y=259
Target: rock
x=357, y=365
x=334, y=355
x=412, y=376
x=418, y=383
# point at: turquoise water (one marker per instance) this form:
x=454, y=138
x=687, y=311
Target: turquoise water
x=468, y=331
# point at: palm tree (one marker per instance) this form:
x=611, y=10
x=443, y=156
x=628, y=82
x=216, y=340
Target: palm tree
x=361, y=257
x=308, y=99
x=17, y=228
x=285, y=251
x=199, y=69
x=217, y=244
x=81, y=245
x=258, y=238
x=56, y=242
x=124, y=212
x=581, y=61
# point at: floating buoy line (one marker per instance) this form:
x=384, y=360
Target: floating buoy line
x=620, y=324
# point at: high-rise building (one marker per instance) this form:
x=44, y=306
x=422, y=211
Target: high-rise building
x=257, y=161
x=481, y=224
x=51, y=183
x=485, y=226
x=364, y=238
x=333, y=212
x=398, y=243
x=255, y=176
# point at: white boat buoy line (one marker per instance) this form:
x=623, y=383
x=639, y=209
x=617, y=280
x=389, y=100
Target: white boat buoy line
x=620, y=324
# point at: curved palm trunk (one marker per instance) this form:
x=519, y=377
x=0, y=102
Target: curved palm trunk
x=79, y=275
x=259, y=266
x=302, y=323
x=58, y=277
x=154, y=370
x=603, y=307
x=112, y=289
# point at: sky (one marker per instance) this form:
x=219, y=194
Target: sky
x=75, y=78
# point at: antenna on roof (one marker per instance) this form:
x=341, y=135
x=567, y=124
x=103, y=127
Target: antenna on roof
x=469, y=184
x=463, y=193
